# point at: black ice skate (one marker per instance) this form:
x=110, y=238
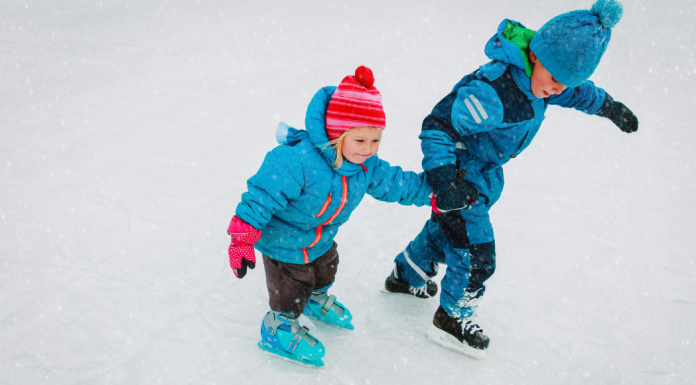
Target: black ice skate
x=395, y=285
x=460, y=334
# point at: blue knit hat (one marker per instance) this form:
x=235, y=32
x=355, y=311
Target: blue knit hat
x=570, y=45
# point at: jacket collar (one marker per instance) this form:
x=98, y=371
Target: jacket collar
x=316, y=133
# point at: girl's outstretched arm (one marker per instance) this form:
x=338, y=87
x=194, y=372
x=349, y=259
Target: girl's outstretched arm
x=392, y=184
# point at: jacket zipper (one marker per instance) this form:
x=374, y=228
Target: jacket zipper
x=514, y=154
x=326, y=205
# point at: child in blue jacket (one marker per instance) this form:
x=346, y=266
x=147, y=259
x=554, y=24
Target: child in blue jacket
x=304, y=191
x=489, y=118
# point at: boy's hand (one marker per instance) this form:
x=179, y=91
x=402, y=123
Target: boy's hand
x=461, y=198
x=241, y=250
x=450, y=191
x=618, y=113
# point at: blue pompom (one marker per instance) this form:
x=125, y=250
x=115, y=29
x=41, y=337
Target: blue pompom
x=608, y=11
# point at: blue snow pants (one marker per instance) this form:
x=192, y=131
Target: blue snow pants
x=464, y=241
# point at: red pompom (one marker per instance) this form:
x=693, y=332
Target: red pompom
x=364, y=76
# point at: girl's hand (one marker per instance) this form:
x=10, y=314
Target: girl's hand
x=450, y=190
x=241, y=250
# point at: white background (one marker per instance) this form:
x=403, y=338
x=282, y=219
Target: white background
x=128, y=129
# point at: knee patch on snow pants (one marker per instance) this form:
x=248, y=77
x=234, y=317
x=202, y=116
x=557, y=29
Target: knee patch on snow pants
x=290, y=285
x=482, y=259
x=453, y=227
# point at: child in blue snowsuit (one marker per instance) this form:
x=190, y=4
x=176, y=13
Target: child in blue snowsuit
x=304, y=191
x=488, y=119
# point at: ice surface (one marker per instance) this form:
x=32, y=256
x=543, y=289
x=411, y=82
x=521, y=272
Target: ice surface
x=128, y=129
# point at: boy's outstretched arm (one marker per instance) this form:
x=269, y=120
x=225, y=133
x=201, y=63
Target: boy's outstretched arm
x=593, y=100
x=618, y=113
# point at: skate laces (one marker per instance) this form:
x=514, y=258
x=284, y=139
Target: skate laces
x=470, y=299
x=419, y=290
x=469, y=324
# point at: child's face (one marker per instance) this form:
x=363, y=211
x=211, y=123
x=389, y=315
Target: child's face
x=360, y=144
x=543, y=83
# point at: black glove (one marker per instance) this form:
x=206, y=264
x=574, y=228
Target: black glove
x=451, y=191
x=618, y=113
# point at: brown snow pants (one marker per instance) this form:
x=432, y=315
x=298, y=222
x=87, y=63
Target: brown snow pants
x=290, y=285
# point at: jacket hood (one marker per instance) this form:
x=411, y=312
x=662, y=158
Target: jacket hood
x=501, y=49
x=315, y=123
x=504, y=54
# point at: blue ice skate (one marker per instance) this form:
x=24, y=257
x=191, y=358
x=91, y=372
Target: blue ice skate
x=324, y=308
x=283, y=336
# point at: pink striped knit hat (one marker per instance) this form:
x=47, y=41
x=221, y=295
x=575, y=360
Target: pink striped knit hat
x=356, y=103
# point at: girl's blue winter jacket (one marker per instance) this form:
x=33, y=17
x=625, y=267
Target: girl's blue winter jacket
x=300, y=201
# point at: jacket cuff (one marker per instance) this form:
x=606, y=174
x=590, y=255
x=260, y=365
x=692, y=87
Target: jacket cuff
x=439, y=176
x=605, y=110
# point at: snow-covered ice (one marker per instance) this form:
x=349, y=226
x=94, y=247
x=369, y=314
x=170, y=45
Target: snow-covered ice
x=128, y=129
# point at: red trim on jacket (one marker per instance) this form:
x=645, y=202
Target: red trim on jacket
x=323, y=209
x=325, y=206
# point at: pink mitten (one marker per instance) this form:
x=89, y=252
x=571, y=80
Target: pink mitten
x=241, y=250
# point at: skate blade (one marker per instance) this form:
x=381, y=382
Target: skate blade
x=347, y=327
x=316, y=364
x=442, y=338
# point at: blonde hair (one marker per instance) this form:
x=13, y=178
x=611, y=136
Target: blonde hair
x=338, y=146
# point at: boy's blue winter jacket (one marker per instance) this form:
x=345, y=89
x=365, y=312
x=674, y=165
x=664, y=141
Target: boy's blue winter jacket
x=491, y=116
x=300, y=201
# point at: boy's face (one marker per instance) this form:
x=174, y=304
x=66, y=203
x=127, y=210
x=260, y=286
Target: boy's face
x=360, y=144
x=543, y=83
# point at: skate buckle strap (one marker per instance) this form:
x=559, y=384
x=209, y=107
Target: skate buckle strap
x=302, y=333
x=327, y=301
x=274, y=319
x=327, y=306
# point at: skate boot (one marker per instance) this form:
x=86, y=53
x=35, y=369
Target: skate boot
x=324, y=308
x=283, y=336
x=460, y=334
x=394, y=284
